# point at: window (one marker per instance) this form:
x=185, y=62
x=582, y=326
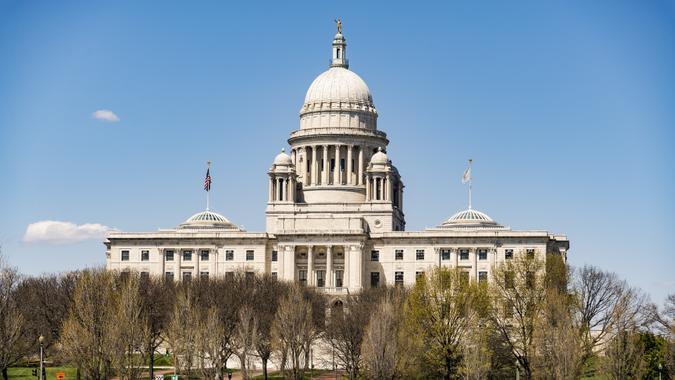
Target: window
x=398, y=278
x=249, y=255
x=342, y=164
x=168, y=276
x=187, y=276
x=168, y=255
x=332, y=164
x=302, y=277
x=530, y=253
x=482, y=277
x=125, y=255
x=145, y=275
x=205, y=255
x=419, y=275
x=274, y=275
x=124, y=275
x=464, y=254
x=464, y=278
x=508, y=280
x=203, y=275
x=275, y=256
x=145, y=255
x=529, y=279
x=374, y=279
x=249, y=276
x=229, y=276
x=482, y=254
x=229, y=255
x=419, y=254
x=508, y=254
x=339, y=254
x=374, y=255
x=187, y=255
x=399, y=254
x=445, y=254
x=320, y=278
x=338, y=278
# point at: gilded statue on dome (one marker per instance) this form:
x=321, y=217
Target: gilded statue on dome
x=338, y=23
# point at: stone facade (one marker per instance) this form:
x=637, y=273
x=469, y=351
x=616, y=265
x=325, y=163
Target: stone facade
x=334, y=217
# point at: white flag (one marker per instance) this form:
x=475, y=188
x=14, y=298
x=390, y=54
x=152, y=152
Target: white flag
x=467, y=175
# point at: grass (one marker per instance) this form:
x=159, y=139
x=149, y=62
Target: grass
x=26, y=373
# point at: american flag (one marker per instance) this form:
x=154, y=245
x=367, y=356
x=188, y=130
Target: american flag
x=207, y=180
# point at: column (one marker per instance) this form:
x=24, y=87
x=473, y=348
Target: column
x=289, y=261
x=367, y=189
x=329, y=267
x=347, y=268
x=336, y=175
x=359, y=179
x=293, y=157
x=271, y=192
x=284, y=189
x=310, y=265
x=281, y=265
x=356, y=267
x=314, y=166
x=326, y=166
x=400, y=196
x=349, y=164
x=292, y=189
x=390, y=188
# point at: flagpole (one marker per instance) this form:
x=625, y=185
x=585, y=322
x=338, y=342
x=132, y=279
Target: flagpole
x=470, y=185
x=208, y=192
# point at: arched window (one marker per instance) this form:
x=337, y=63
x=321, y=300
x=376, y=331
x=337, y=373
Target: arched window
x=337, y=53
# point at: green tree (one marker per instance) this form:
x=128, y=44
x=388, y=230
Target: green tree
x=439, y=310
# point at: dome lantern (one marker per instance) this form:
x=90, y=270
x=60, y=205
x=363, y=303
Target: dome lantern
x=339, y=58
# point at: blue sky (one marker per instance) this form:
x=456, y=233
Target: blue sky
x=566, y=107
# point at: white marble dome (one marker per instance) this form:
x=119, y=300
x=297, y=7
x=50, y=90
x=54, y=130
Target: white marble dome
x=208, y=220
x=470, y=218
x=283, y=159
x=379, y=158
x=339, y=84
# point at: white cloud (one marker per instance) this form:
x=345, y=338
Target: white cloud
x=105, y=115
x=56, y=232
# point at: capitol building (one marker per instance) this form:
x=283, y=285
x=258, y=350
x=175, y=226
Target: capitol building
x=335, y=216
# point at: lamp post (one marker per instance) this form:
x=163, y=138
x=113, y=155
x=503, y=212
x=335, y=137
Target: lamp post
x=41, y=340
x=660, y=368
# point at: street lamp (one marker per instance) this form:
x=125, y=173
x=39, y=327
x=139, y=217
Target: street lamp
x=660, y=368
x=41, y=340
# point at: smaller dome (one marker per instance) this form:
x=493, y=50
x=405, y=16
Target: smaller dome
x=379, y=158
x=471, y=219
x=283, y=159
x=208, y=219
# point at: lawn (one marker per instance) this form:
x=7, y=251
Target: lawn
x=25, y=373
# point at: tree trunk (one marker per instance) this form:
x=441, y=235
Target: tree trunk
x=4, y=374
x=151, y=365
x=77, y=373
x=264, y=365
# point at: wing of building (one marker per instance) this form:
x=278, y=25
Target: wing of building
x=335, y=214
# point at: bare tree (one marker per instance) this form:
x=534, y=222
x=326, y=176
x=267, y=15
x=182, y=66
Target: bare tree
x=345, y=330
x=382, y=356
x=290, y=328
x=557, y=339
x=597, y=294
x=157, y=296
x=12, y=332
x=268, y=293
x=181, y=332
x=210, y=331
x=245, y=337
x=623, y=356
x=86, y=335
x=517, y=298
x=131, y=330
